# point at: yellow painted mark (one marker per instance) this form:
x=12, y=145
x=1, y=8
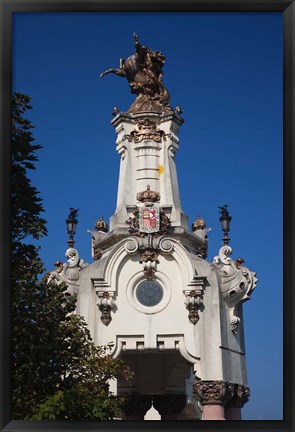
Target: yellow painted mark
x=161, y=169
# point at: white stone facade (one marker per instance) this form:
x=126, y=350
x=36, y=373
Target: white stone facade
x=192, y=330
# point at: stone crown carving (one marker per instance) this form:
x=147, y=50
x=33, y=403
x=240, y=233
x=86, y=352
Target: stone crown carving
x=148, y=196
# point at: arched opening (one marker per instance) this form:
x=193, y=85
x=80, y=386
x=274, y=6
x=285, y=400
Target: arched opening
x=160, y=386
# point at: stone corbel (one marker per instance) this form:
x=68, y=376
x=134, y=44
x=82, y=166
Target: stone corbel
x=194, y=297
x=105, y=303
x=237, y=283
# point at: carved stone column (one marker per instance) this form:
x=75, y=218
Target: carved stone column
x=241, y=395
x=169, y=406
x=136, y=406
x=213, y=395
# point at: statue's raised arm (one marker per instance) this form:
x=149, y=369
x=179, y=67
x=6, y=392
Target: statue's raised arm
x=143, y=71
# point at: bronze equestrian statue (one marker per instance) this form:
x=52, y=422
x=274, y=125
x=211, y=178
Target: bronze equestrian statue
x=143, y=71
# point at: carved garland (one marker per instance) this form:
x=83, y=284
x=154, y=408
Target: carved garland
x=146, y=129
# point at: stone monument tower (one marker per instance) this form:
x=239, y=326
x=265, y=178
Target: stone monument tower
x=173, y=316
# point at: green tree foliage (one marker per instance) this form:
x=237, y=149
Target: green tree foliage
x=57, y=371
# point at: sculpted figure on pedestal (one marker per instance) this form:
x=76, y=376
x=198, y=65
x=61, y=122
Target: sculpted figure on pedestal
x=143, y=71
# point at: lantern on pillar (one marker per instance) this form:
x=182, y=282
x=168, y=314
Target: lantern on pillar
x=225, y=220
x=71, y=222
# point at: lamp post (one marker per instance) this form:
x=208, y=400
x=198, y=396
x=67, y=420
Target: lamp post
x=225, y=220
x=71, y=222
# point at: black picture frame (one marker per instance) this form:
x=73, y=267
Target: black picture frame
x=287, y=7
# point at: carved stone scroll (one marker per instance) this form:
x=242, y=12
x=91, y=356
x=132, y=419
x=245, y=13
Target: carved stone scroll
x=237, y=282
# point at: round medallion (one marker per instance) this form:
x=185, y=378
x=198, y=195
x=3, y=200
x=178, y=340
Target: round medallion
x=149, y=293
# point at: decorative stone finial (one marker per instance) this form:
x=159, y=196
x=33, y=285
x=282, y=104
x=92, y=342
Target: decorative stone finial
x=198, y=224
x=148, y=196
x=101, y=225
x=115, y=111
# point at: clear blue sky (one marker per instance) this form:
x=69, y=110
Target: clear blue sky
x=225, y=71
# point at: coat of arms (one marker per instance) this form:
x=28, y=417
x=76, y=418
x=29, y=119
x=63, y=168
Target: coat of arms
x=149, y=219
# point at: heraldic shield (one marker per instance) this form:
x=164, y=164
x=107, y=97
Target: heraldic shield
x=149, y=219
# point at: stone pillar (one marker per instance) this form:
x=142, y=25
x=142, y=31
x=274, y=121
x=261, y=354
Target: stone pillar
x=147, y=143
x=233, y=413
x=213, y=412
x=169, y=406
x=213, y=395
x=240, y=395
x=136, y=406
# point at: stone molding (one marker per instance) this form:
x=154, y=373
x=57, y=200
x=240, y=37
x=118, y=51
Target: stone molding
x=221, y=393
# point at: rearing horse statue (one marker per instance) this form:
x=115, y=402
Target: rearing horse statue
x=143, y=71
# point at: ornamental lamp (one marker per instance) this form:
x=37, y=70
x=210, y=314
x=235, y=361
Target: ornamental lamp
x=225, y=220
x=71, y=222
